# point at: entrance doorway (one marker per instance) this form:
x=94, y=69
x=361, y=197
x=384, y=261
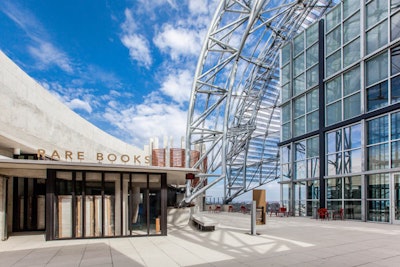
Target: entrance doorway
x=395, y=200
x=28, y=204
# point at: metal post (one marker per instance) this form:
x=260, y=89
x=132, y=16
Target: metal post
x=253, y=218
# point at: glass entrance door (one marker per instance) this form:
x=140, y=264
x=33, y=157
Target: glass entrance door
x=396, y=199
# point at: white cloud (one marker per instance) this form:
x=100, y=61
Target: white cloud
x=79, y=104
x=40, y=46
x=178, y=85
x=48, y=55
x=178, y=41
x=137, y=44
x=149, y=120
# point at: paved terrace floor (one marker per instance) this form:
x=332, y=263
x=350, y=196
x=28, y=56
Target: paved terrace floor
x=283, y=241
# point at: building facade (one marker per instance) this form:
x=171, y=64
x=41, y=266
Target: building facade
x=340, y=101
x=61, y=175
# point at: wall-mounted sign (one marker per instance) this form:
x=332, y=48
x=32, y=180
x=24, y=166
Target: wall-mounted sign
x=99, y=157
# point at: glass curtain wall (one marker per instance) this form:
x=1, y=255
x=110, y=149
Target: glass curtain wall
x=106, y=204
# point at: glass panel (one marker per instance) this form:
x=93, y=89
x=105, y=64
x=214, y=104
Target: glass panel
x=351, y=28
x=395, y=126
x=286, y=54
x=313, y=167
x=377, y=37
x=333, y=90
x=396, y=199
x=395, y=27
x=333, y=63
x=138, y=203
x=93, y=205
x=377, y=96
x=286, y=74
x=352, y=161
x=313, y=189
x=63, y=218
x=378, y=210
x=378, y=186
x=312, y=34
x=312, y=121
x=312, y=77
x=109, y=202
x=351, y=52
x=155, y=204
x=333, y=40
x=312, y=55
x=286, y=131
x=286, y=92
x=395, y=5
x=78, y=205
x=395, y=90
x=298, y=44
x=299, y=85
x=334, y=141
x=299, y=126
x=333, y=18
x=300, y=152
x=395, y=60
x=352, y=137
x=299, y=106
x=286, y=172
x=352, y=210
x=352, y=187
x=376, y=11
x=378, y=157
x=334, y=188
x=334, y=164
x=351, y=81
x=298, y=65
x=378, y=130
x=377, y=69
x=334, y=113
x=312, y=100
x=312, y=147
x=286, y=113
x=286, y=152
x=349, y=7
x=352, y=106
x=395, y=154
x=299, y=170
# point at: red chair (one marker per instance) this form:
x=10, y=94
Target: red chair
x=217, y=209
x=338, y=214
x=282, y=210
x=242, y=209
x=323, y=214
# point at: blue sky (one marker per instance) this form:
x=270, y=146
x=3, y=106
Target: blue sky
x=125, y=66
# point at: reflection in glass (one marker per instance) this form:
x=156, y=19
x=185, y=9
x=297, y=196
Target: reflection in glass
x=378, y=157
x=334, y=113
x=300, y=170
x=395, y=90
x=333, y=18
x=395, y=27
x=395, y=154
x=378, y=210
x=299, y=126
x=352, y=137
x=334, y=141
x=352, y=161
x=333, y=40
x=286, y=54
x=299, y=84
x=351, y=81
x=312, y=34
x=333, y=63
x=376, y=11
x=298, y=44
x=312, y=76
x=352, y=52
x=377, y=96
x=349, y=7
x=312, y=121
x=378, y=130
x=333, y=90
x=351, y=28
x=352, y=106
x=395, y=126
x=334, y=164
x=299, y=106
x=352, y=187
x=377, y=37
x=298, y=65
x=377, y=69
x=334, y=188
x=352, y=210
x=378, y=186
x=312, y=56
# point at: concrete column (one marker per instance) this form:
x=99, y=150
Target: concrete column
x=3, y=209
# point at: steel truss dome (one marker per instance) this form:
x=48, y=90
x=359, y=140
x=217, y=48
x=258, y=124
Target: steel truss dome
x=234, y=119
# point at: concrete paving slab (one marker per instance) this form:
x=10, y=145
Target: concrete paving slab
x=283, y=241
